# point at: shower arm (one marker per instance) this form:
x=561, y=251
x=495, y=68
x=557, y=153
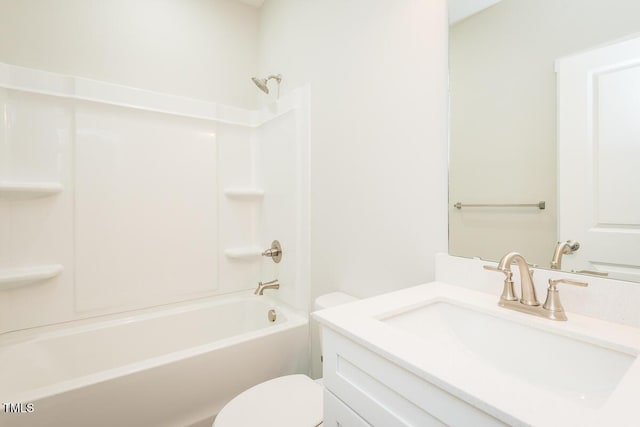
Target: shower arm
x=278, y=79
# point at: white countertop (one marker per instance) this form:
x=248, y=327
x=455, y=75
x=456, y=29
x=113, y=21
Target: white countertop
x=506, y=397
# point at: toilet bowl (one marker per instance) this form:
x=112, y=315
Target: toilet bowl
x=288, y=401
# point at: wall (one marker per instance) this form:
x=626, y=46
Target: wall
x=205, y=49
x=503, y=116
x=378, y=79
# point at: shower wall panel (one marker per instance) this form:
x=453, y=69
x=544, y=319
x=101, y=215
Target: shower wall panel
x=36, y=216
x=145, y=207
x=115, y=199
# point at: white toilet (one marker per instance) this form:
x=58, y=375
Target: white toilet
x=288, y=401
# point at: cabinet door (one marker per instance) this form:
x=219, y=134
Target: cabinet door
x=337, y=414
x=387, y=395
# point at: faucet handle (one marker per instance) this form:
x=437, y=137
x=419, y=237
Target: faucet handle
x=552, y=303
x=274, y=252
x=508, y=293
x=492, y=268
x=554, y=282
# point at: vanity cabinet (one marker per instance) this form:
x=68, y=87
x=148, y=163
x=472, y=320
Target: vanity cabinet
x=337, y=414
x=364, y=388
x=437, y=354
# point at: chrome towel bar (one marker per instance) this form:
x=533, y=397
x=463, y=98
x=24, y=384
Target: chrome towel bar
x=540, y=205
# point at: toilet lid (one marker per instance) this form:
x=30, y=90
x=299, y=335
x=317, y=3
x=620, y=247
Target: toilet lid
x=289, y=401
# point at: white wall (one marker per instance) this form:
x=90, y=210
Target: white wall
x=503, y=116
x=378, y=78
x=203, y=49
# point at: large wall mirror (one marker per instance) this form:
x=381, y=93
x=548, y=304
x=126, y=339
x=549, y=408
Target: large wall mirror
x=545, y=107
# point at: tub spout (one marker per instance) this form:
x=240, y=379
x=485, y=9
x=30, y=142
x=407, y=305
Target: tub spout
x=274, y=284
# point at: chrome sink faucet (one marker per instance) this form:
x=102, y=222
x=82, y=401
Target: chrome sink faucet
x=528, y=303
x=274, y=284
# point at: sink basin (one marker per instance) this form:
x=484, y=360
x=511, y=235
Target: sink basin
x=582, y=371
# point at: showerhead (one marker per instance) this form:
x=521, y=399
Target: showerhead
x=262, y=83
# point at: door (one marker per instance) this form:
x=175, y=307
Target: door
x=599, y=158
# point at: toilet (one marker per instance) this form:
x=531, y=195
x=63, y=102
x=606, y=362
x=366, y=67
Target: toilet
x=287, y=401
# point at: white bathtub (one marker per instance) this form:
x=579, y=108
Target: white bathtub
x=175, y=366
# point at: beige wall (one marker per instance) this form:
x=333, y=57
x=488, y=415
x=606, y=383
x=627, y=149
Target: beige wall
x=205, y=49
x=503, y=116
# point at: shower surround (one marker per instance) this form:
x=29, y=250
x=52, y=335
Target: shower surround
x=115, y=201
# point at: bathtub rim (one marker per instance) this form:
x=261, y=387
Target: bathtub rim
x=294, y=318
x=107, y=320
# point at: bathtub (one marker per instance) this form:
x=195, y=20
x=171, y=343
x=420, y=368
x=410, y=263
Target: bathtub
x=172, y=366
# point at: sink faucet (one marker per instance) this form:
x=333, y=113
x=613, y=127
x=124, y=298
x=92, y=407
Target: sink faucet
x=527, y=291
x=563, y=248
x=528, y=303
x=274, y=284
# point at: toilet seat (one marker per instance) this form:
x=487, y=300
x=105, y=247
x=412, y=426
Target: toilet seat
x=289, y=401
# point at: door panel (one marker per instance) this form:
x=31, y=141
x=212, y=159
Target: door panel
x=599, y=158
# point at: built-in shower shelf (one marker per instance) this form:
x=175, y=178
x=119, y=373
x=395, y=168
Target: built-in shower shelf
x=243, y=253
x=28, y=190
x=244, y=193
x=17, y=277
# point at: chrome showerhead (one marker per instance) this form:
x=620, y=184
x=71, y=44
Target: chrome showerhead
x=262, y=83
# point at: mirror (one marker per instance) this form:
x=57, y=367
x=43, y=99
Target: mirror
x=504, y=125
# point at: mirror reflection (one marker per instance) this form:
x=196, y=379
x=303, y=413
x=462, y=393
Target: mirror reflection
x=544, y=101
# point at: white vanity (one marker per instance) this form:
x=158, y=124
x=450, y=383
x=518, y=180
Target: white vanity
x=439, y=354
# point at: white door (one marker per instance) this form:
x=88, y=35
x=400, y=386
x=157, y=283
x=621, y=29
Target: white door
x=599, y=158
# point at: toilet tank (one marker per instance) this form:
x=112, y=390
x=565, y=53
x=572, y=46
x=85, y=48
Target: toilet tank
x=326, y=301
x=331, y=300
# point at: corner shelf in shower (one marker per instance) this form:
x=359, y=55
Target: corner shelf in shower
x=243, y=253
x=244, y=193
x=18, y=277
x=28, y=190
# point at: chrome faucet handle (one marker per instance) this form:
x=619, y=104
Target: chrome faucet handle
x=508, y=292
x=552, y=303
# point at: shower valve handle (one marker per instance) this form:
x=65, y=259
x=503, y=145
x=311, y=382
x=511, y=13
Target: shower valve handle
x=274, y=252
